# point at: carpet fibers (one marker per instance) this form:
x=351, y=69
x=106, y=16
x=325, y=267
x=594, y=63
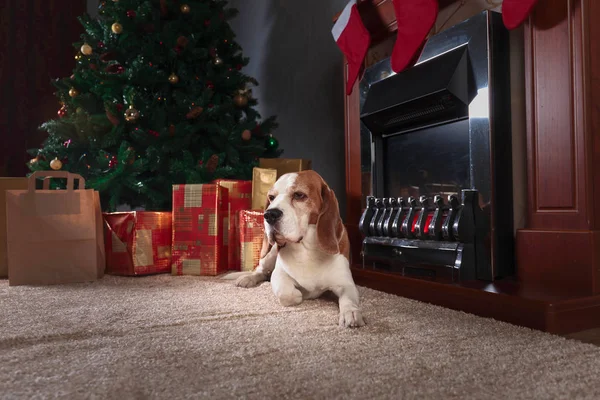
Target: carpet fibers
x=166, y=337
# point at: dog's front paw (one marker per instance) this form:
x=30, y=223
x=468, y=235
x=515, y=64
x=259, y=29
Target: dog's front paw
x=351, y=319
x=247, y=281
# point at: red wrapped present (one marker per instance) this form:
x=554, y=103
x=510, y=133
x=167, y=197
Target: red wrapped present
x=200, y=217
x=252, y=232
x=240, y=198
x=137, y=242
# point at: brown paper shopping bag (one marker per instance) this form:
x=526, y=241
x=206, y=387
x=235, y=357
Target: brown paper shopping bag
x=6, y=184
x=54, y=236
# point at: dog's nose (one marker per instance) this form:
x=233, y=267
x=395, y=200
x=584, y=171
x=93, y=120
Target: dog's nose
x=273, y=215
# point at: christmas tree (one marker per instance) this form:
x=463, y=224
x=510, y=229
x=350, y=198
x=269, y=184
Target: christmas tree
x=156, y=98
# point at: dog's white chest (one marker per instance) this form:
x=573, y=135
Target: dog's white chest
x=313, y=270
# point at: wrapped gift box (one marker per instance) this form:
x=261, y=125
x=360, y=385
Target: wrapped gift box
x=252, y=231
x=200, y=219
x=262, y=180
x=285, y=165
x=138, y=242
x=240, y=198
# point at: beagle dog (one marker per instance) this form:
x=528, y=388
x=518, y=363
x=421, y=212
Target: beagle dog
x=305, y=251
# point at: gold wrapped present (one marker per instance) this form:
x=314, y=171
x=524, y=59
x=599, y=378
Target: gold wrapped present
x=251, y=233
x=285, y=165
x=262, y=180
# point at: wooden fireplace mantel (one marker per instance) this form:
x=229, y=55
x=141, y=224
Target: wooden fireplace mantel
x=557, y=287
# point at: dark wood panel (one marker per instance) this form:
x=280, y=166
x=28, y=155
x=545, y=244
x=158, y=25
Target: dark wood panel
x=35, y=47
x=352, y=149
x=592, y=53
x=553, y=131
x=559, y=259
x=512, y=302
x=532, y=313
x=557, y=165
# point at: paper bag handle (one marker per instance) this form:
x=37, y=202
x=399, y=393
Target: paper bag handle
x=55, y=174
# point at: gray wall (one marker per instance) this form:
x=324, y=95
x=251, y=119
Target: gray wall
x=299, y=70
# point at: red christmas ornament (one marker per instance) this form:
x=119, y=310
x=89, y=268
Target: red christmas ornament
x=108, y=56
x=113, y=162
x=93, y=67
x=119, y=107
x=212, y=52
x=207, y=22
x=131, y=14
x=182, y=41
x=210, y=105
x=62, y=112
x=115, y=69
x=100, y=45
x=238, y=67
x=112, y=118
x=210, y=85
x=153, y=133
x=178, y=49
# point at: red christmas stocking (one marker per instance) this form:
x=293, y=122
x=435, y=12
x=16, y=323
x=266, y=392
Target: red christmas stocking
x=514, y=12
x=415, y=20
x=353, y=39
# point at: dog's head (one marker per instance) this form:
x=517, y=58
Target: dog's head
x=296, y=201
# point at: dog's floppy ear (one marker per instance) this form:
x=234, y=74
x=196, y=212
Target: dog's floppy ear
x=266, y=246
x=329, y=225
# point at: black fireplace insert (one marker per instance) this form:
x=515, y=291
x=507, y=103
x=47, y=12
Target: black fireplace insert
x=441, y=203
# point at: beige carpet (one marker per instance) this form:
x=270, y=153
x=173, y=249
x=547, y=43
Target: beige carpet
x=169, y=337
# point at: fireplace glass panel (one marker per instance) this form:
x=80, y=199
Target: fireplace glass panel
x=427, y=162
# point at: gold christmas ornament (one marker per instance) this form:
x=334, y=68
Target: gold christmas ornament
x=86, y=49
x=131, y=115
x=194, y=112
x=56, y=164
x=173, y=79
x=34, y=160
x=116, y=28
x=240, y=100
x=218, y=60
x=73, y=92
x=185, y=8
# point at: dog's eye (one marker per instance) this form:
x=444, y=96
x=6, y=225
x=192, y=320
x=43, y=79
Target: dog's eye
x=271, y=197
x=299, y=196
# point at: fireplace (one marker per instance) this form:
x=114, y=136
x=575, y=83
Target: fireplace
x=556, y=171
x=441, y=166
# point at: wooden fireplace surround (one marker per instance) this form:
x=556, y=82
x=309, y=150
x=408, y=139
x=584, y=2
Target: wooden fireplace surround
x=557, y=286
